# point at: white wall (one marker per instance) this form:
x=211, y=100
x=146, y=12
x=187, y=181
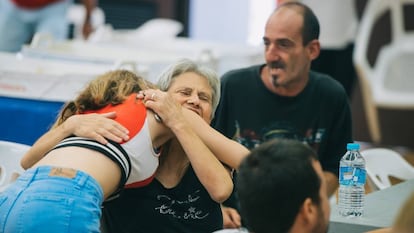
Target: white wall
x=219, y=20
x=235, y=21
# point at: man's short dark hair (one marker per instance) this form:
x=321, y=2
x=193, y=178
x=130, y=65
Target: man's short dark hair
x=274, y=181
x=310, y=30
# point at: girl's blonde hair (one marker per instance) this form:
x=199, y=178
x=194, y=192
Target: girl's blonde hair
x=110, y=88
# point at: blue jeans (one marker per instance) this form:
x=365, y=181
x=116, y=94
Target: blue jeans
x=17, y=26
x=43, y=200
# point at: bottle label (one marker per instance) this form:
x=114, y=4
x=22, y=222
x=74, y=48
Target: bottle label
x=352, y=176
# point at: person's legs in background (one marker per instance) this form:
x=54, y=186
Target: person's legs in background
x=15, y=26
x=52, y=20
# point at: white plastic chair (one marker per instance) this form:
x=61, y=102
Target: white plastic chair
x=10, y=156
x=388, y=82
x=381, y=163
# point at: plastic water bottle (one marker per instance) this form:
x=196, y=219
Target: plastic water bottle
x=352, y=176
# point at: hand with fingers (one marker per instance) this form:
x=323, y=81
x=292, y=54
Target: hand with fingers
x=231, y=218
x=164, y=106
x=99, y=127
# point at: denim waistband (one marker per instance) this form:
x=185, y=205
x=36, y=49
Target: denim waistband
x=78, y=177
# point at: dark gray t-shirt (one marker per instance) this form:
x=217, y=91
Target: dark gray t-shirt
x=319, y=116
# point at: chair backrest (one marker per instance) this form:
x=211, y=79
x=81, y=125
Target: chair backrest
x=383, y=163
x=383, y=58
x=10, y=156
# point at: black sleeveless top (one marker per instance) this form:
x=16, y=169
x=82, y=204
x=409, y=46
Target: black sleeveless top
x=154, y=208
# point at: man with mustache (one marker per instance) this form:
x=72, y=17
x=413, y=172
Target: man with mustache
x=284, y=98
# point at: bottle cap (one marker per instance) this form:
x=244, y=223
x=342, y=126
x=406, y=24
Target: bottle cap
x=352, y=146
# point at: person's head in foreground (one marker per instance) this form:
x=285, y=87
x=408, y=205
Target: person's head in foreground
x=281, y=189
x=404, y=223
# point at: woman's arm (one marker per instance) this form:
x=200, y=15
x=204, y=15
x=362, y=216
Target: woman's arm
x=226, y=150
x=95, y=126
x=209, y=170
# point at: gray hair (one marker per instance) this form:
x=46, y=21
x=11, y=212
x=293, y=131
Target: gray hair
x=185, y=65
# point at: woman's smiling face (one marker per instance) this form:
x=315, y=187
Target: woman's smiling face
x=193, y=92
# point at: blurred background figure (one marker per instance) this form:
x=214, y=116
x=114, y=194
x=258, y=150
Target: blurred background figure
x=21, y=19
